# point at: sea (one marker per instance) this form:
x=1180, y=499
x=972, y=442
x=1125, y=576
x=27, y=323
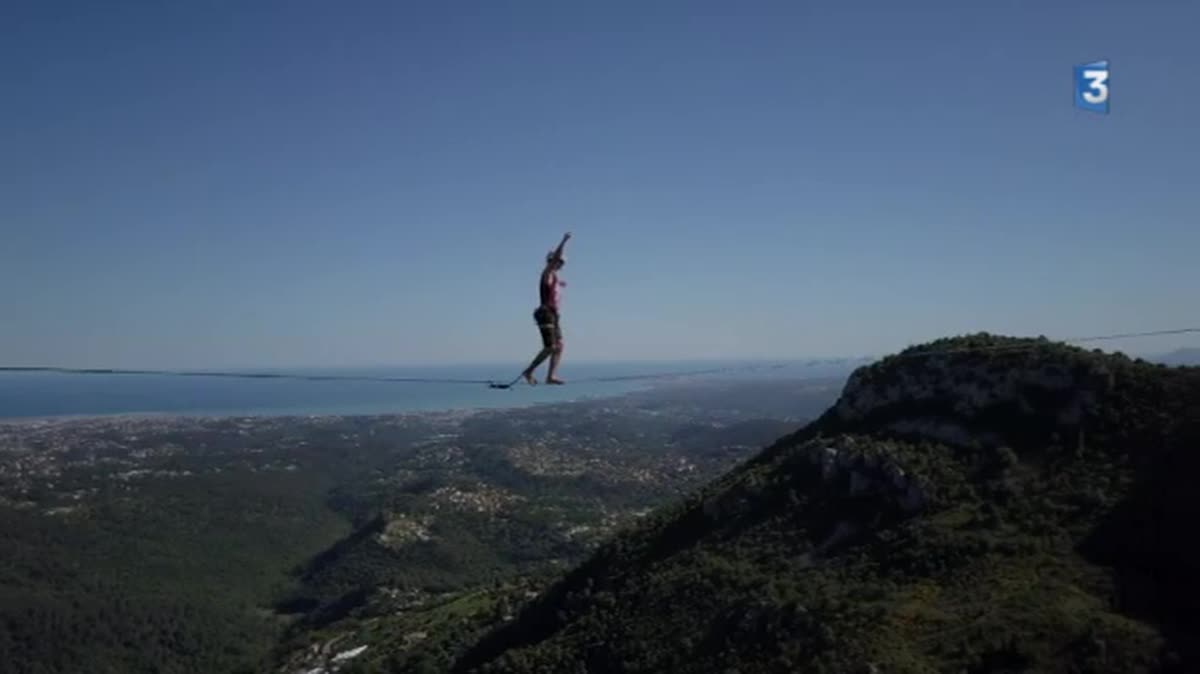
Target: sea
x=40, y=395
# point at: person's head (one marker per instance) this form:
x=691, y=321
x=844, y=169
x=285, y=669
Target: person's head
x=555, y=261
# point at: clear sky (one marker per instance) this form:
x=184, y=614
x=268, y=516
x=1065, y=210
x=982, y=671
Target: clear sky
x=215, y=183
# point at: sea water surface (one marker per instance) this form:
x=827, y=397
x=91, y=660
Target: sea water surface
x=41, y=395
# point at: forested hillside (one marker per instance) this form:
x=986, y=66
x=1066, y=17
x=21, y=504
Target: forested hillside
x=978, y=504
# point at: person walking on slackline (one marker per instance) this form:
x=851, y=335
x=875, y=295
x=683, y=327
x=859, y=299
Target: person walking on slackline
x=547, y=317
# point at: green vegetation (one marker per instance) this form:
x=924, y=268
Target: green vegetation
x=133, y=584
x=978, y=504
x=1055, y=538
x=238, y=545
x=412, y=631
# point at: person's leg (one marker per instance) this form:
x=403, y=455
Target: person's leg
x=556, y=355
x=552, y=378
x=546, y=329
x=537, y=361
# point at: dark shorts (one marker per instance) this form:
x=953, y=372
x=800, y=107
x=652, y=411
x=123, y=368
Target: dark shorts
x=547, y=322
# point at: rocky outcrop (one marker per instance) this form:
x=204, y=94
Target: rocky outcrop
x=866, y=473
x=939, y=396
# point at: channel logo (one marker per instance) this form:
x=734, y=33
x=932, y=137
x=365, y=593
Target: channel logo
x=1091, y=87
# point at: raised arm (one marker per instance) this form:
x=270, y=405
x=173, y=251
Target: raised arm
x=562, y=244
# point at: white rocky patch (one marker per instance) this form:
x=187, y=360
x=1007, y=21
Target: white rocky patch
x=868, y=472
x=349, y=655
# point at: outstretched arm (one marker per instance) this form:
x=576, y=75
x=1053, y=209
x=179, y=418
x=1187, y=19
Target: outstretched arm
x=562, y=244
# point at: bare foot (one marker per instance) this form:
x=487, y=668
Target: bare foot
x=555, y=380
x=529, y=379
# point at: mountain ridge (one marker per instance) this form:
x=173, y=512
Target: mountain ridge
x=1185, y=356
x=967, y=473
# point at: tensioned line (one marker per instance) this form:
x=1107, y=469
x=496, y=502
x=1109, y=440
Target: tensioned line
x=617, y=378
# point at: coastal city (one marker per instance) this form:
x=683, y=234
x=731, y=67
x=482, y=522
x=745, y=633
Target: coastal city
x=364, y=521
x=647, y=440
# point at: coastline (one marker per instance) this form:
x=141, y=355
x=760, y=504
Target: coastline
x=209, y=416
x=62, y=398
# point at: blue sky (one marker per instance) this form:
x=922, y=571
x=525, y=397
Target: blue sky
x=219, y=183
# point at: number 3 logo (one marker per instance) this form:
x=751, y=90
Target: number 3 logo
x=1098, y=83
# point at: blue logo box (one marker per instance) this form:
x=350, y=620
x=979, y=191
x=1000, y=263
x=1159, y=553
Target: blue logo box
x=1091, y=87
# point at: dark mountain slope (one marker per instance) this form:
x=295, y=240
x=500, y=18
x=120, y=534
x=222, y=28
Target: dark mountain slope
x=977, y=504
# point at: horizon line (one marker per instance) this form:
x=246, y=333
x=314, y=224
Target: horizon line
x=810, y=360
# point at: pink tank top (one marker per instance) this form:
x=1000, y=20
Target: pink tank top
x=549, y=290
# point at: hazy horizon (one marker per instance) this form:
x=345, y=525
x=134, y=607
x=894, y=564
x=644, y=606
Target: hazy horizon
x=1168, y=349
